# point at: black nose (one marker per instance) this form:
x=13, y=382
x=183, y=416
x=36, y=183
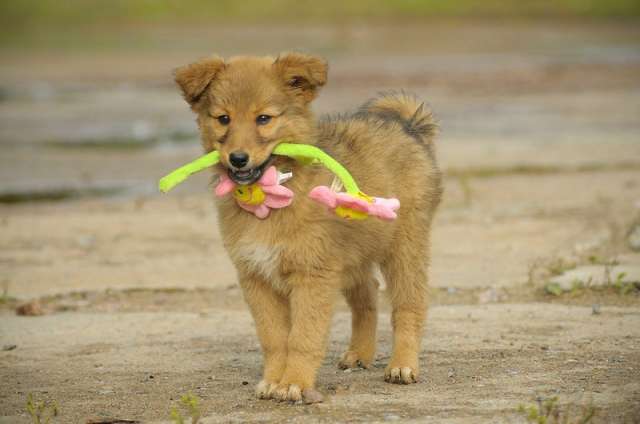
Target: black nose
x=238, y=159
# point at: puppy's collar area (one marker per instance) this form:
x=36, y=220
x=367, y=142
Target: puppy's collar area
x=268, y=193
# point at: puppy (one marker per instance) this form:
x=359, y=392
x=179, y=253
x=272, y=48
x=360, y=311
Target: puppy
x=295, y=263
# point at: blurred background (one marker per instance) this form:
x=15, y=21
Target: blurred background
x=535, y=281
x=538, y=103
x=88, y=104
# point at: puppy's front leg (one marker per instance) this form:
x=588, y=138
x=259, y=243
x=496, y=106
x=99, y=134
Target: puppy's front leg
x=311, y=302
x=270, y=312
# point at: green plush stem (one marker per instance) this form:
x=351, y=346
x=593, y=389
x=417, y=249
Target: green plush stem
x=308, y=151
x=179, y=175
x=305, y=153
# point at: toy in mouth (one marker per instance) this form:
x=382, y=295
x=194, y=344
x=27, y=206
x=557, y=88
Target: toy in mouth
x=352, y=204
x=248, y=176
x=259, y=197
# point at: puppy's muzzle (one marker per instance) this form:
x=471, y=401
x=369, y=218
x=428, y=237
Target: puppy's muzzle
x=239, y=172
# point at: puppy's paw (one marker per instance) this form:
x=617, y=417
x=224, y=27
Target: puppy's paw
x=351, y=359
x=287, y=393
x=400, y=375
x=265, y=389
x=293, y=393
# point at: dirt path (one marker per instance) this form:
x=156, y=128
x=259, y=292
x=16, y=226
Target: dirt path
x=479, y=362
x=493, y=342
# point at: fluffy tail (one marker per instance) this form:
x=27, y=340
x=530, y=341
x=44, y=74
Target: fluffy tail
x=414, y=116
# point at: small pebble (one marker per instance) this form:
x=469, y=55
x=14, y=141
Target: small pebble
x=595, y=309
x=30, y=309
x=244, y=383
x=9, y=347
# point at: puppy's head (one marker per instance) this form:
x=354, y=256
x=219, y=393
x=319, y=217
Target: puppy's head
x=246, y=105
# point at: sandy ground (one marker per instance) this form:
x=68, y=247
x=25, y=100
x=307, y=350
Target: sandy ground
x=140, y=304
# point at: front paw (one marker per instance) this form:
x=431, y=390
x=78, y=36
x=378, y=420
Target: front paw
x=400, y=375
x=265, y=389
x=351, y=359
x=286, y=392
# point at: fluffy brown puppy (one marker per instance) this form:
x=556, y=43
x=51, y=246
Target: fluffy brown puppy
x=293, y=265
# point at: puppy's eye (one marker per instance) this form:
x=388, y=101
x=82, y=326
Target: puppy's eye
x=224, y=119
x=263, y=119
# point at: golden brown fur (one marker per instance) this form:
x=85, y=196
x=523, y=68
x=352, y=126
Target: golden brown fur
x=293, y=265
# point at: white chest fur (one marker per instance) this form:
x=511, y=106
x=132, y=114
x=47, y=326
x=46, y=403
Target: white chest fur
x=260, y=259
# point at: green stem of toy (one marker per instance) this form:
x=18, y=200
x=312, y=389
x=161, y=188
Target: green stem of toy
x=179, y=175
x=307, y=151
x=293, y=150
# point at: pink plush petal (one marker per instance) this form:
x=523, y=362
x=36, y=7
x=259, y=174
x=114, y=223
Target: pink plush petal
x=277, y=196
x=384, y=208
x=393, y=204
x=249, y=208
x=270, y=177
x=324, y=195
x=262, y=211
x=225, y=186
x=351, y=202
x=277, y=202
x=277, y=190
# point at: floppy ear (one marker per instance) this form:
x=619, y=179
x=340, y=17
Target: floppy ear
x=194, y=78
x=303, y=74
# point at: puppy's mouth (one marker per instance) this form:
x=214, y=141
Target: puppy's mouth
x=248, y=176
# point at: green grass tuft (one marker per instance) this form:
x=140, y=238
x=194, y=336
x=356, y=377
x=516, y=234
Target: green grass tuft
x=41, y=412
x=548, y=411
x=33, y=13
x=189, y=404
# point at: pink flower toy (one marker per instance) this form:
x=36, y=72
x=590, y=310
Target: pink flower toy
x=266, y=194
x=260, y=197
x=356, y=206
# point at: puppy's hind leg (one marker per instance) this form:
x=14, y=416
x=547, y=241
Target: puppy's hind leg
x=405, y=271
x=362, y=297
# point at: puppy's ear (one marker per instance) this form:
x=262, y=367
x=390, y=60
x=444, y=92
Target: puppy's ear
x=194, y=78
x=302, y=74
